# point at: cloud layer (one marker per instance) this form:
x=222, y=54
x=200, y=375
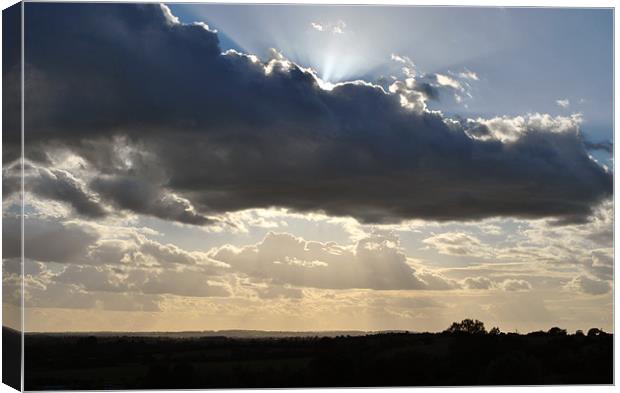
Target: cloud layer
x=171, y=127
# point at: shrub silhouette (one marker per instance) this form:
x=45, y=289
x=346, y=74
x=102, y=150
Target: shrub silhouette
x=495, y=331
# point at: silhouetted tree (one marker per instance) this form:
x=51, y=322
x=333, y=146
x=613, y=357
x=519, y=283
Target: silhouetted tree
x=495, y=331
x=556, y=331
x=595, y=332
x=467, y=326
x=579, y=333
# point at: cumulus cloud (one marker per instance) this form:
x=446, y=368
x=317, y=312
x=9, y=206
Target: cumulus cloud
x=508, y=129
x=588, y=285
x=70, y=261
x=209, y=133
x=376, y=262
x=412, y=95
x=478, y=283
x=513, y=285
x=415, y=90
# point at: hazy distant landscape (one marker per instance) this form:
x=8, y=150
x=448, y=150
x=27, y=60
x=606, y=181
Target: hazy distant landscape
x=252, y=359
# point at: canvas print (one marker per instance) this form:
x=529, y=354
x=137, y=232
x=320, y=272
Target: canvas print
x=262, y=196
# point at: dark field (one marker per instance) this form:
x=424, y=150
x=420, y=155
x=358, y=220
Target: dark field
x=388, y=359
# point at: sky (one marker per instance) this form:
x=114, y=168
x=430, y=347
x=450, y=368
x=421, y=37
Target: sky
x=539, y=55
x=208, y=167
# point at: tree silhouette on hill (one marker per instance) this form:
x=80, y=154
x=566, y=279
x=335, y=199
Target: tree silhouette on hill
x=556, y=331
x=467, y=326
x=596, y=332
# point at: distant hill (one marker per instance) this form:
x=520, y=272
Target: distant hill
x=225, y=333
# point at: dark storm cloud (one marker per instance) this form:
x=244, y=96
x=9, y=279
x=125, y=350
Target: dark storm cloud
x=61, y=186
x=128, y=193
x=54, y=184
x=227, y=132
x=142, y=197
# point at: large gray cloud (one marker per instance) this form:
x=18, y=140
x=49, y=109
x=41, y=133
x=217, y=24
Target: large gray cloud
x=141, y=97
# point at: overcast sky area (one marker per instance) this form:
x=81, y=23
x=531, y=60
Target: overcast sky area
x=207, y=167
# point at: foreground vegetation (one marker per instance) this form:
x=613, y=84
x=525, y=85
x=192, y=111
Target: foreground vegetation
x=465, y=354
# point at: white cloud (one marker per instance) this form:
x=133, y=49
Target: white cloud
x=445, y=80
x=337, y=27
x=375, y=262
x=409, y=96
x=510, y=129
x=316, y=26
x=401, y=59
x=564, y=103
x=170, y=18
x=467, y=74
